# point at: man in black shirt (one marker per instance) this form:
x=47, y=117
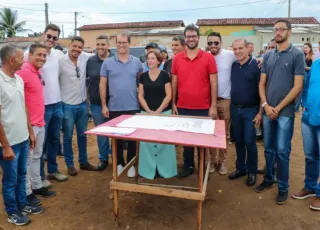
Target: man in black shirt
x=178, y=45
x=93, y=79
x=246, y=112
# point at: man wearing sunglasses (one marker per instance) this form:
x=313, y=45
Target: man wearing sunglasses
x=72, y=72
x=34, y=99
x=53, y=106
x=224, y=59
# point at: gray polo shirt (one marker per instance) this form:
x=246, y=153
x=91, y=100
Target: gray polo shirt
x=122, y=82
x=280, y=68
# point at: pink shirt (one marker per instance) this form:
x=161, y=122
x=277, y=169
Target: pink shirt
x=33, y=94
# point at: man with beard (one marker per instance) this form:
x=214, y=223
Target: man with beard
x=224, y=59
x=280, y=83
x=93, y=75
x=178, y=45
x=194, y=76
x=72, y=68
x=53, y=106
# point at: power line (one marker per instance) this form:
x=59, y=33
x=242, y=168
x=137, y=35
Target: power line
x=152, y=12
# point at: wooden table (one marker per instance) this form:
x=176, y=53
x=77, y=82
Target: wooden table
x=202, y=141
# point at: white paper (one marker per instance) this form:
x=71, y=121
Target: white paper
x=114, y=130
x=194, y=125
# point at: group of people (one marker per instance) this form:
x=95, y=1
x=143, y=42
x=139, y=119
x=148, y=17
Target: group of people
x=44, y=91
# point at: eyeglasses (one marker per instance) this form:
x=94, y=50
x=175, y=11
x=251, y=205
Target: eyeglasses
x=122, y=43
x=213, y=43
x=279, y=30
x=191, y=37
x=41, y=79
x=78, y=72
x=54, y=38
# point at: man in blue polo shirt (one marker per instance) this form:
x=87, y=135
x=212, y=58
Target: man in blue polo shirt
x=121, y=73
x=310, y=129
x=280, y=83
x=245, y=111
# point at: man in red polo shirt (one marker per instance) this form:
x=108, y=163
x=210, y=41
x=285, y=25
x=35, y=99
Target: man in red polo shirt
x=33, y=88
x=194, y=76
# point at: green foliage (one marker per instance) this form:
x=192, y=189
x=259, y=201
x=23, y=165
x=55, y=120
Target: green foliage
x=9, y=22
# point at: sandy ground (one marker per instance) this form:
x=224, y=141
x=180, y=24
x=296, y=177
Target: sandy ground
x=83, y=202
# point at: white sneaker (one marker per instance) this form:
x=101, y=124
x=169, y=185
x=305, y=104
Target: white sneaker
x=131, y=172
x=119, y=169
x=212, y=168
x=46, y=184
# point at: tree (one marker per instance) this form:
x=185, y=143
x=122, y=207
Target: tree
x=9, y=22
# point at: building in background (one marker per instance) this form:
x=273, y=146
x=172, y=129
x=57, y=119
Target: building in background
x=141, y=32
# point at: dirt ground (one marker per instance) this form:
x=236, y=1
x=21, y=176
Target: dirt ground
x=83, y=202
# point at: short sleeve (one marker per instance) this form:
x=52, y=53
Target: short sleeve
x=174, y=66
x=140, y=66
x=166, y=77
x=299, y=64
x=104, y=69
x=212, y=66
x=264, y=63
x=142, y=77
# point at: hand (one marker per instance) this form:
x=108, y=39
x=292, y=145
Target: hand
x=213, y=113
x=277, y=110
x=259, y=60
x=8, y=154
x=271, y=113
x=174, y=110
x=257, y=120
x=157, y=112
x=105, y=111
x=150, y=111
x=32, y=140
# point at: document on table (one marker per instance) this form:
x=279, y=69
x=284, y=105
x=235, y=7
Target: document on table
x=194, y=125
x=114, y=130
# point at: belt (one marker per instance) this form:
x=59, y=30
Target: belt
x=245, y=106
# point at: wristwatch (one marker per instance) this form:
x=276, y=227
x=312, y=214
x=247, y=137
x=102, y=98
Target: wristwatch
x=264, y=104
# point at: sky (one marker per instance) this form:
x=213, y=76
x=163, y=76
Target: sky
x=61, y=12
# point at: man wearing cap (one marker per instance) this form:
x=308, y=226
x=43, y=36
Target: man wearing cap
x=178, y=45
x=149, y=47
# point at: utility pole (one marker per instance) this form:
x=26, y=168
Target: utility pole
x=46, y=13
x=62, y=31
x=289, y=9
x=75, y=23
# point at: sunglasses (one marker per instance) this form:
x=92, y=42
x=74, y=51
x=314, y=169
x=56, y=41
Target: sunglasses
x=78, y=72
x=213, y=43
x=41, y=79
x=54, y=38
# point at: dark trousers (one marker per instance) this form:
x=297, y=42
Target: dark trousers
x=244, y=134
x=188, y=153
x=131, y=144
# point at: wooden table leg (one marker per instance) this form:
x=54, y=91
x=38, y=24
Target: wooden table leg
x=201, y=168
x=137, y=161
x=115, y=178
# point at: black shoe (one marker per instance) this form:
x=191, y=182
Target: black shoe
x=282, y=197
x=251, y=180
x=34, y=210
x=264, y=186
x=185, y=173
x=44, y=192
x=18, y=219
x=102, y=165
x=237, y=174
x=33, y=200
x=262, y=170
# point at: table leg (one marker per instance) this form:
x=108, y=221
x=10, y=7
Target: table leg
x=201, y=168
x=137, y=161
x=115, y=178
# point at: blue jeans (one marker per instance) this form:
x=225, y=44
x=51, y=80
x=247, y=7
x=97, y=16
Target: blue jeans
x=188, y=153
x=277, y=143
x=244, y=134
x=75, y=115
x=14, y=178
x=311, y=143
x=103, y=142
x=53, y=118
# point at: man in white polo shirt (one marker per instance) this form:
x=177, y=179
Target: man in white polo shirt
x=224, y=59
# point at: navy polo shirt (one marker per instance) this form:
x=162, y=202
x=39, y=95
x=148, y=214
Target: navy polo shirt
x=245, y=83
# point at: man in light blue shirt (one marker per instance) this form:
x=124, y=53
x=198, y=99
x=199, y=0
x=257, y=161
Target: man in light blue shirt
x=310, y=128
x=149, y=47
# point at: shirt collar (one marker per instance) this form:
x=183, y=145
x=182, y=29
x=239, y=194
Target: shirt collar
x=199, y=54
x=6, y=77
x=248, y=62
x=287, y=50
x=99, y=59
x=31, y=67
x=117, y=59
